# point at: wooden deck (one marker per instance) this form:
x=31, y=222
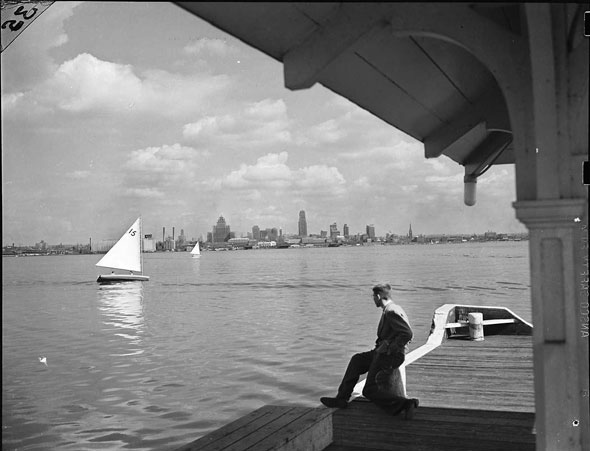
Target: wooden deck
x=271, y=428
x=365, y=426
x=494, y=374
x=474, y=395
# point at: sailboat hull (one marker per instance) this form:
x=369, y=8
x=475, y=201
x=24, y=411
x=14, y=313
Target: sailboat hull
x=121, y=277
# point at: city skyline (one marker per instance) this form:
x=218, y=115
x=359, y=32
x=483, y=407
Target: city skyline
x=225, y=231
x=172, y=119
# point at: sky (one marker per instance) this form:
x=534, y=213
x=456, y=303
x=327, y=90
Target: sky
x=112, y=110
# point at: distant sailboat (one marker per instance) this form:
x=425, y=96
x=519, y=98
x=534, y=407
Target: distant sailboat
x=125, y=255
x=196, y=252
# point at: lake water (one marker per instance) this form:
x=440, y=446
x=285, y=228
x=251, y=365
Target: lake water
x=156, y=365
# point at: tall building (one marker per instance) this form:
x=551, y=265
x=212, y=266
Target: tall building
x=334, y=231
x=346, y=231
x=181, y=242
x=371, y=231
x=410, y=235
x=302, y=224
x=256, y=232
x=221, y=232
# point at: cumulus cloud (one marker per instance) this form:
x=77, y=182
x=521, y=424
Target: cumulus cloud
x=320, y=177
x=328, y=132
x=166, y=172
x=271, y=172
x=209, y=128
x=256, y=125
x=172, y=159
x=87, y=84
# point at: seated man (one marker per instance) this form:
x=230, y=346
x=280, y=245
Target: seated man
x=393, y=335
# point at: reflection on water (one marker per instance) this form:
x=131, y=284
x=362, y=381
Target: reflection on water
x=121, y=308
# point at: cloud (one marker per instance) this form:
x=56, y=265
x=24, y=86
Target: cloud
x=209, y=128
x=272, y=173
x=79, y=175
x=10, y=101
x=147, y=193
x=33, y=62
x=320, y=179
x=209, y=47
x=255, y=125
x=86, y=84
x=330, y=131
x=166, y=172
x=362, y=183
x=171, y=160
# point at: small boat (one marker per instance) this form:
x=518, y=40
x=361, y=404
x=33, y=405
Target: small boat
x=125, y=255
x=196, y=252
x=496, y=320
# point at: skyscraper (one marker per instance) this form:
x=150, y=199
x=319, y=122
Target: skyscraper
x=334, y=231
x=221, y=232
x=302, y=224
x=346, y=231
x=371, y=231
x=256, y=232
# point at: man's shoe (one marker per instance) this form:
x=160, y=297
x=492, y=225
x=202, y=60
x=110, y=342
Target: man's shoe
x=334, y=402
x=411, y=406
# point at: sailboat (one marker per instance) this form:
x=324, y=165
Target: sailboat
x=125, y=255
x=196, y=252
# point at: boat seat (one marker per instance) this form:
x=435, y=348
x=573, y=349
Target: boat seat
x=486, y=322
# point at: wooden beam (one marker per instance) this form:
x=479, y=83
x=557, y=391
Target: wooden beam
x=489, y=108
x=303, y=64
x=545, y=102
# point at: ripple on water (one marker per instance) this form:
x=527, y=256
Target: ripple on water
x=432, y=288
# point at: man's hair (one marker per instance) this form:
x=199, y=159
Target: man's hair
x=382, y=289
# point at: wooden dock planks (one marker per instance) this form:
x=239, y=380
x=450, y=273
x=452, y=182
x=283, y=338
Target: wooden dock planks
x=473, y=396
x=365, y=426
x=271, y=428
x=494, y=374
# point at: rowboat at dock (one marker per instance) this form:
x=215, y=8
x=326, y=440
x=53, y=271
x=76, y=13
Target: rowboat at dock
x=474, y=394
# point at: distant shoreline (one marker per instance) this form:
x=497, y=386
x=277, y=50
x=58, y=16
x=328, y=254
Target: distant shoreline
x=69, y=252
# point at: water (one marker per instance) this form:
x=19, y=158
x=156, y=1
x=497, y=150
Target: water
x=156, y=365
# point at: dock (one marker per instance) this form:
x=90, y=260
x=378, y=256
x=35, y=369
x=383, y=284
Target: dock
x=474, y=395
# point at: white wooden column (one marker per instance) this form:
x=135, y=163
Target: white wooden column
x=557, y=250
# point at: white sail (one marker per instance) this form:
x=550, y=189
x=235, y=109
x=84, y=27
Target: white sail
x=126, y=253
x=196, y=250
